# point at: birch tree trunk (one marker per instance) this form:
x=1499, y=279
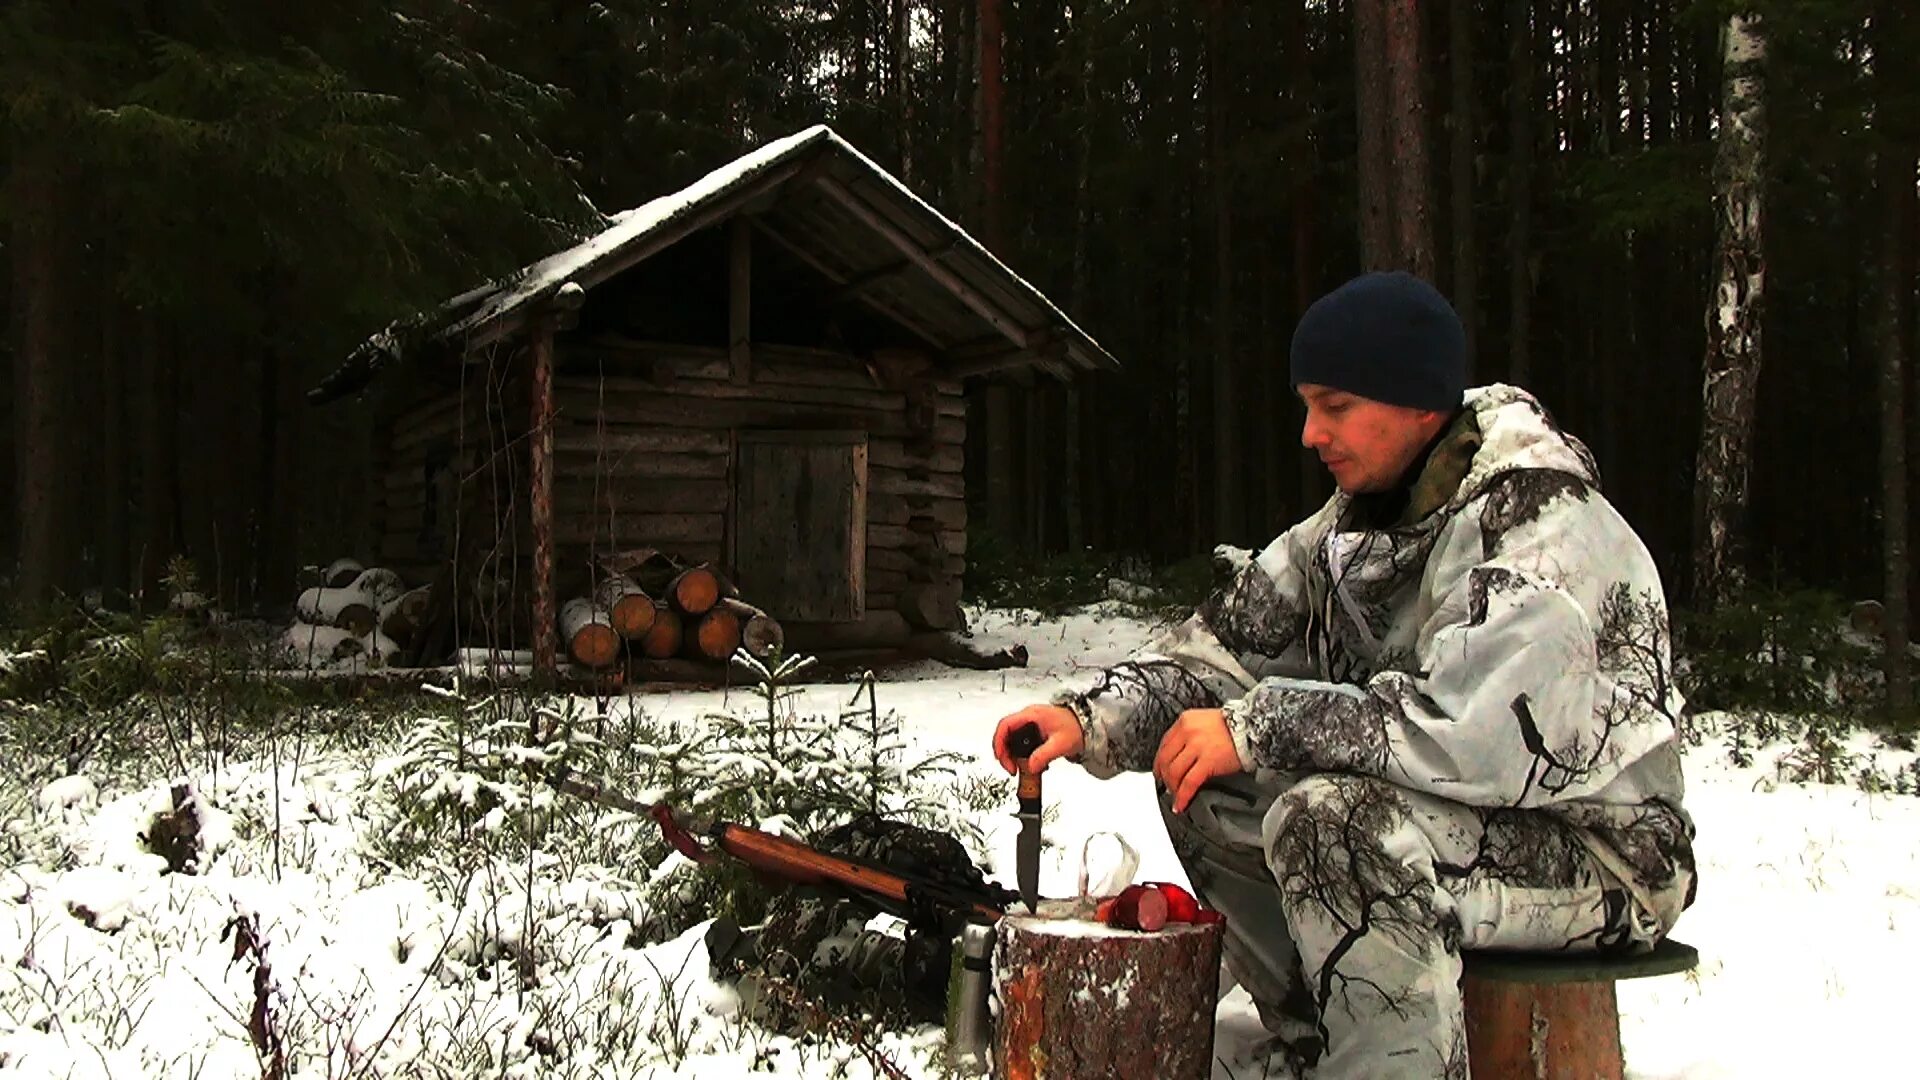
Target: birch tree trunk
x=1732, y=369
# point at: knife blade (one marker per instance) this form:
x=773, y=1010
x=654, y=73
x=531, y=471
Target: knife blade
x=1021, y=744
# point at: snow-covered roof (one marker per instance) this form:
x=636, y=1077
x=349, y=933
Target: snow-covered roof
x=831, y=209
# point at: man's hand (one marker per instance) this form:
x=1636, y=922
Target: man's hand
x=1059, y=731
x=1196, y=749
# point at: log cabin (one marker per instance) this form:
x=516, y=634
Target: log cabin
x=765, y=371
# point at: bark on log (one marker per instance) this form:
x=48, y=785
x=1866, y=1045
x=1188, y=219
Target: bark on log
x=662, y=639
x=630, y=608
x=347, y=608
x=588, y=631
x=1080, y=1000
x=402, y=616
x=1554, y=1031
x=716, y=635
x=380, y=585
x=760, y=633
x=340, y=573
x=695, y=590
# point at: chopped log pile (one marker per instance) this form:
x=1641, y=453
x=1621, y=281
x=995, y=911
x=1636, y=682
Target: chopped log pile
x=638, y=616
x=660, y=613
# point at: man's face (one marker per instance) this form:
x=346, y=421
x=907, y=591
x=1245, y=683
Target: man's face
x=1367, y=445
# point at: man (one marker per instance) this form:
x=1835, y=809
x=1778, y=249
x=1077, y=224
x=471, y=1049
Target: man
x=1437, y=714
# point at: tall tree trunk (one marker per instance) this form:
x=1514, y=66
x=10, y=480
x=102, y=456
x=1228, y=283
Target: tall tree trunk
x=159, y=459
x=1897, y=178
x=44, y=433
x=1080, y=288
x=1520, y=113
x=1733, y=322
x=1228, y=496
x=1379, y=243
x=902, y=89
x=993, y=124
x=1895, y=167
x=1304, y=165
x=1003, y=496
x=1409, y=117
x=113, y=505
x=1460, y=120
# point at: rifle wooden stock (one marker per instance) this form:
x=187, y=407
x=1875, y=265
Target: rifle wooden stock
x=798, y=863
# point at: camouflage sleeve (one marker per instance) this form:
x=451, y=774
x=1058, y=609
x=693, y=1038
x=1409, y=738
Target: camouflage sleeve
x=1251, y=625
x=1521, y=697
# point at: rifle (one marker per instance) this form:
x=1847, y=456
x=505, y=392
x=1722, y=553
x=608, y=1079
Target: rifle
x=918, y=898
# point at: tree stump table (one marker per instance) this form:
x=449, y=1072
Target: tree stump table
x=1553, y=1016
x=1078, y=1000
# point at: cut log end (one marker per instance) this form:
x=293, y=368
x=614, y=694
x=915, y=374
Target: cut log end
x=718, y=634
x=340, y=573
x=760, y=633
x=663, y=638
x=588, y=633
x=696, y=590
x=356, y=618
x=631, y=609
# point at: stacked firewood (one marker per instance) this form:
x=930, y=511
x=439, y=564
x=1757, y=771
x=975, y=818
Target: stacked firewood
x=655, y=609
x=374, y=607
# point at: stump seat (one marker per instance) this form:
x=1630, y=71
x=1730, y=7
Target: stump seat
x=1554, y=1016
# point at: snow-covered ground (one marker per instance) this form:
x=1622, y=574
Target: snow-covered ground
x=1805, y=922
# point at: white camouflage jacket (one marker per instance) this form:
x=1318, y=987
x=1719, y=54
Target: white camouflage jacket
x=1506, y=646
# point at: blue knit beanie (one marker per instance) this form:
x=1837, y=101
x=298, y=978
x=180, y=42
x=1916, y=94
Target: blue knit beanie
x=1388, y=336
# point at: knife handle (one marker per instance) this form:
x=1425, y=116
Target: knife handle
x=1021, y=743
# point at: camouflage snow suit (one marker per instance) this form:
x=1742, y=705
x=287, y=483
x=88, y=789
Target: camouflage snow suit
x=1460, y=731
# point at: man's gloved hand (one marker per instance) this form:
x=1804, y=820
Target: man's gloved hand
x=1195, y=750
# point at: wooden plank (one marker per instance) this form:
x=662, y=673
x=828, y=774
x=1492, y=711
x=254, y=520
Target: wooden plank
x=902, y=538
x=914, y=482
x=623, y=438
x=631, y=495
x=584, y=396
x=884, y=509
x=895, y=454
x=740, y=301
x=663, y=466
x=800, y=530
x=808, y=438
x=640, y=529
x=891, y=582
x=675, y=410
x=584, y=553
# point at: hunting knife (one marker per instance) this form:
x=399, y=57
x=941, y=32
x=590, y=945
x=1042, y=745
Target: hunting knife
x=1021, y=744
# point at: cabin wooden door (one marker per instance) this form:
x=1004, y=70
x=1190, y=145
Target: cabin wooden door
x=800, y=523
